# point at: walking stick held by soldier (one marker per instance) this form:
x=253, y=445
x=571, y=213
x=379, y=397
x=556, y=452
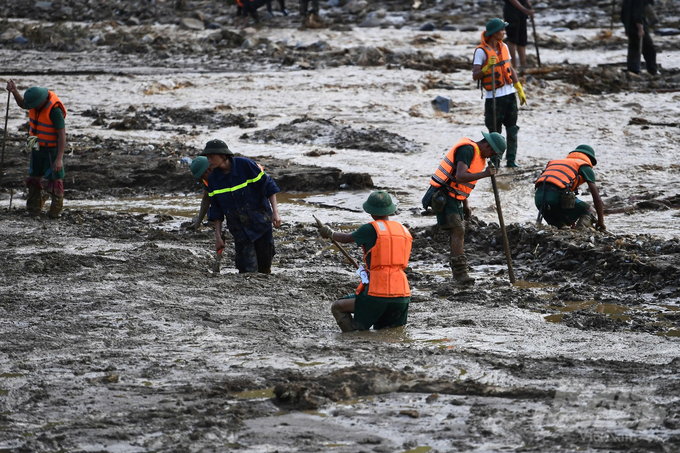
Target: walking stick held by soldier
x=506, y=245
x=4, y=140
x=319, y=224
x=538, y=57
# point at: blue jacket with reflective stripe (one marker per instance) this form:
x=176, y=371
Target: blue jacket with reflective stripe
x=242, y=197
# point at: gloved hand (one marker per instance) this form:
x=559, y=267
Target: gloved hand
x=520, y=93
x=490, y=62
x=326, y=232
x=467, y=212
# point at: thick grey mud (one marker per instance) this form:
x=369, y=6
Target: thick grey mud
x=117, y=336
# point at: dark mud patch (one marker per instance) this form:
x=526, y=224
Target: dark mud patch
x=609, y=79
x=171, y=120
x=327, y=132
x=97, y=167
x=359, y=381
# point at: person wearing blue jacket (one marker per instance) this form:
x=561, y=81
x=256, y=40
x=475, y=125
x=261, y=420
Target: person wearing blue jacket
x=243, y=194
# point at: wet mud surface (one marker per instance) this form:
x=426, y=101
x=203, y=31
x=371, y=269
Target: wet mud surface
x=117, y=336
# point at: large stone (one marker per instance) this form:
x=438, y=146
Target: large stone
x=189, y=23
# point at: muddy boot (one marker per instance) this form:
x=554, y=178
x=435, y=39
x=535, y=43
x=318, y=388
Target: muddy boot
x=315, y=21
x=459, y=268
x=344, y=320
x=585, y=221
x=34, y=201
x=56, y=206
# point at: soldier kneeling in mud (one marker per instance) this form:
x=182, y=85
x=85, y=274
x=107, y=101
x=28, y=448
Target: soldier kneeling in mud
x=557, y=187
x=382, y=298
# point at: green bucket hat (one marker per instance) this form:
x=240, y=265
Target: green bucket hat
x=497, y=142
x=199, y=166
x=216, y=147
x=588, y=151
x=379, y=203
x=494, y=26
x=35, y=96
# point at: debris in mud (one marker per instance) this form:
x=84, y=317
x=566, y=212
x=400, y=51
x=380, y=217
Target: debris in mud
x=161, y=119
x=326, y=132
x=115, y=167
x=358, y=381
x=608, y=79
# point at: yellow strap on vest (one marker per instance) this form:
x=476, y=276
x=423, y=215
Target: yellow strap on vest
x=240, y=186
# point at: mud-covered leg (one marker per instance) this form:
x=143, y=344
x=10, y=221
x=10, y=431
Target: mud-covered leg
x=34, y=200
x=56, y=190
x=342, y=310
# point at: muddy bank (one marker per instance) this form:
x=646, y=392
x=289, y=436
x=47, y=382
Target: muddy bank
x=327, y=132
x=133, y=342
x=98, y=167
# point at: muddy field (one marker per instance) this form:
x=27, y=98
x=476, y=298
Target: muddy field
x=117, y=336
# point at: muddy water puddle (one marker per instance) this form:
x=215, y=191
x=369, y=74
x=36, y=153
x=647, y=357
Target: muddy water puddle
x=612, y=310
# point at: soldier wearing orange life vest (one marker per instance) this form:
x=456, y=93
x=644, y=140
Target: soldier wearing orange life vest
x=450, y=187
x=46, y=123
x=382, y=299
x=566, y=175
x=493, y=53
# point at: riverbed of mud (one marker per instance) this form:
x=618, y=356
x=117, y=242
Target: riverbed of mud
x=119, y=336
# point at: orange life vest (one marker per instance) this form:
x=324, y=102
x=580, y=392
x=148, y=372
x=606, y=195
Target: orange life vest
x=503, y=65
x=445, y=173
x=564, y=172
x=389, y=258
x=40, y=123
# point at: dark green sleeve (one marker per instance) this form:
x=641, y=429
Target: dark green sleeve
x=365, y=235
x=587, y=173
x=57, y=117
x=464, y=154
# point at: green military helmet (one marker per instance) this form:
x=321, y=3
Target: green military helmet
x=588, y=151
x=497, y=142
x=379, y=203
x=216, y=147
x=35, y=96
x=494, y=26
x=199, y=166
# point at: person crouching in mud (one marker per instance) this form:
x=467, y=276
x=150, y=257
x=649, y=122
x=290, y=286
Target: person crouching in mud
x=382, y=299
x=245, y=195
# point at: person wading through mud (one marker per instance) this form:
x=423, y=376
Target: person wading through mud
x=557, y=186
x=200, y=170
x=636, y=25
x=382, y=298
x=515, y=12
x=47, y=142
x=450, y=187
x=493, y=53
x=245, y=195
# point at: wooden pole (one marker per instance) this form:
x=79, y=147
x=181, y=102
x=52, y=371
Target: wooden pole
x=344, y=252
x=4, y=141
x=538, y=56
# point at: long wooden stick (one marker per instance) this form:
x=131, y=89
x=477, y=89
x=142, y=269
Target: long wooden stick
x=344, y=252
x=538, y=56
x=4, y=140
x=506, y=244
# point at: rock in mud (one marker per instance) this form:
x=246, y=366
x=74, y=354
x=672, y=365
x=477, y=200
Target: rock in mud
x=326, y=132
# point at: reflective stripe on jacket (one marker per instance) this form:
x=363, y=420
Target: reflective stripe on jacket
x=445, y=173
x=503, y=65
x=563, y=173
x=40, y=124
x=389, y=258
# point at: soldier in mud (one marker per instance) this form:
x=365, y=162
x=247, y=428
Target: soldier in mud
x=515, y=13
x=556, y=189
x=493, y=53
x=47, y=142
x=310, y=19
x=245, y=195
x=200, y=170
x=450, y=187
x=383, y=297
x=637, y=28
